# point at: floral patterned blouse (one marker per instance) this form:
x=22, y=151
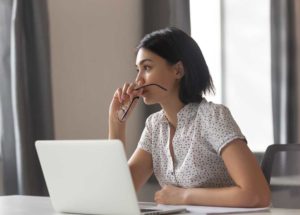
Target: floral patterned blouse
x=203, y=129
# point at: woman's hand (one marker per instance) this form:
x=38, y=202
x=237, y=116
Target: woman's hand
x=171, y=195
x=122, y=100
x=118, y=107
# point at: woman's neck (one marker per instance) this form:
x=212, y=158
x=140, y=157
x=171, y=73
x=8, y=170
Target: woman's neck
x=171, y=109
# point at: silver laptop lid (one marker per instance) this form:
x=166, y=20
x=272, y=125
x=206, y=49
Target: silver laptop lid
x=88, y=176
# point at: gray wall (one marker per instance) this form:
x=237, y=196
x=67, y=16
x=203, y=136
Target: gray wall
x=92, y=50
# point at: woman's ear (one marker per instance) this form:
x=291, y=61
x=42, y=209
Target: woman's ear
x=179, y=70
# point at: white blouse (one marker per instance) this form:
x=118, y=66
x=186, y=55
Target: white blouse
x=203, y=129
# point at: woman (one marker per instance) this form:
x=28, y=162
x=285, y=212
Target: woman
x=194, y=147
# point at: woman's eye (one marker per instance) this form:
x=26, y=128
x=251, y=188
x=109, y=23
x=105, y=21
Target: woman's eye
x=146, y=68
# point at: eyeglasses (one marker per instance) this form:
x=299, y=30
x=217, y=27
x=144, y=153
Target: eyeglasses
x=124, y=109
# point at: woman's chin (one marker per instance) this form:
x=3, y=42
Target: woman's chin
x=148, y=101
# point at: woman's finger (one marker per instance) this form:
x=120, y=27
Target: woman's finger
x=124, y=90
x=130, y=91
x=129, y=108
x=118, y=94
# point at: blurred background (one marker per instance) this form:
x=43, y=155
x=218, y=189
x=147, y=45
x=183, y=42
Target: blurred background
x=62, y=60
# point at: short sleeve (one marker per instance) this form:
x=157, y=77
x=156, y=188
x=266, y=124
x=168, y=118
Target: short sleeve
x=222, y=128
x=145, y=142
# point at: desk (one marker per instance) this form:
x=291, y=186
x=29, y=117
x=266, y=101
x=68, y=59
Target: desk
x=34, y=205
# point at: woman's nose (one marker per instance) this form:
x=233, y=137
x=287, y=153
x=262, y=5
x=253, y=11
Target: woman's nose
x=139, y=80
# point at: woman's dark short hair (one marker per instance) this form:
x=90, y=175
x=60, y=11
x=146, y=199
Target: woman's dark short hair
x=174, y=45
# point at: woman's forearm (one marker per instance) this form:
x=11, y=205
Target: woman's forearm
x=117, y=131
x=228, y=197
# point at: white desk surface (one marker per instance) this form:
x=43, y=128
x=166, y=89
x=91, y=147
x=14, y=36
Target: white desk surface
x=35, y=205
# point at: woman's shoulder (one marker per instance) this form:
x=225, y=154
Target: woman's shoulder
x=155, y=117
x=208, y=108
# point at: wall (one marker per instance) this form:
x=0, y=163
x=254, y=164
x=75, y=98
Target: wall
x=93, y=52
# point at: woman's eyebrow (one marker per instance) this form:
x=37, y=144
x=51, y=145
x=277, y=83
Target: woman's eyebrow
x=143, y=61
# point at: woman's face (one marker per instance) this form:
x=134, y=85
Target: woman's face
x=153, y=69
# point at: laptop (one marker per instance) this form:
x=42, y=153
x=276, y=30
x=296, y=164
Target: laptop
x=91, y=177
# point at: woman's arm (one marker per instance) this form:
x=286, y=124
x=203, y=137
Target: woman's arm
x=116, y=126
x=116, y=130
x=251, y=188
x=140, y=165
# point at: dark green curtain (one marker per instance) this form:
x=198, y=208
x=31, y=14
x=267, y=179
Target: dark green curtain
x=25, y=89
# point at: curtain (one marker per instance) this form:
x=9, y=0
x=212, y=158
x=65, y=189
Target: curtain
x=25, y=95
x=5, y=101
x=285, y=57
x=283, y=72
x=160, y=14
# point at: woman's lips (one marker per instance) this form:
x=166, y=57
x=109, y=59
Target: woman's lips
x=144, y=92
x=143, y=87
